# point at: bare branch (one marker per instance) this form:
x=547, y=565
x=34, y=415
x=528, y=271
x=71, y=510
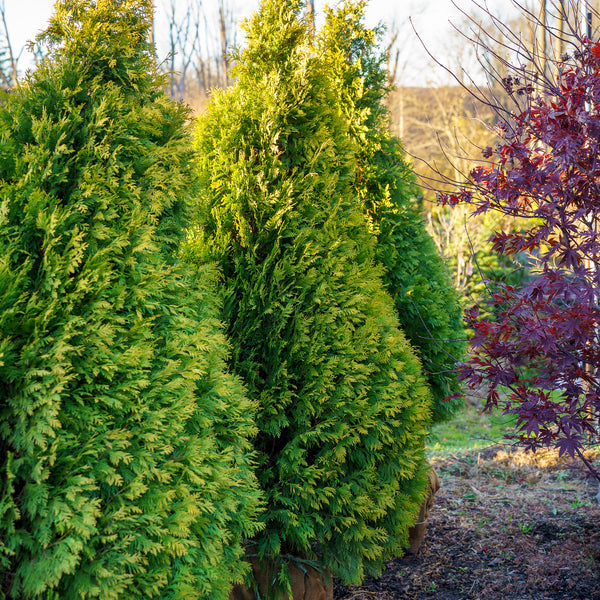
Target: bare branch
x=8, y=79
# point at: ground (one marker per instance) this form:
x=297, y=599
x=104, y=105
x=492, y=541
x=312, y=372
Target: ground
x=506, y=525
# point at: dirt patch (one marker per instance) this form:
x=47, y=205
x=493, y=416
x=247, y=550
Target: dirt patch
x=505, y=526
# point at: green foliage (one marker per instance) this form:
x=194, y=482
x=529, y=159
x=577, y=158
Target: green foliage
x=472, y=429
x=343, y=406
x=490, y=270
x=415, y=275
x=126, y=469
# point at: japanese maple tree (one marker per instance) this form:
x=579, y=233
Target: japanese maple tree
x=539, y=357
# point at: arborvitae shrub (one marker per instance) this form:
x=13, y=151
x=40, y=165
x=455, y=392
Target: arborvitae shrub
x=125, y=463
x=415, y=275
x=343, y=406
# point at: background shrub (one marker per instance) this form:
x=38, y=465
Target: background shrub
x=415, y=274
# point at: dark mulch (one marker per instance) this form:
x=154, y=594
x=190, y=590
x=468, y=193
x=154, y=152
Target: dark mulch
x=506, y=526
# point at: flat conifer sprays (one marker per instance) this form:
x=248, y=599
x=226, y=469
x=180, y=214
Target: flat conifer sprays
x=415, y=275
x=125, y=464
x=343, y=406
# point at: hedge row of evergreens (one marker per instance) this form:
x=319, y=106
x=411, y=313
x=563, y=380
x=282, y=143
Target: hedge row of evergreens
x=200, y=351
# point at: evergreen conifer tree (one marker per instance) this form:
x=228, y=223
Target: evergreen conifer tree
x=343, y=406
x=126, y=467
x=415, y=275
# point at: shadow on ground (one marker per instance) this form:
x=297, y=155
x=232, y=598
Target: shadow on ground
x=506, y=525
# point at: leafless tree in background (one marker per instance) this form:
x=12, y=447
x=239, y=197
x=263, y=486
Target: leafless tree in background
x=310, y=14
x=200, y=38
x=226, y=21
x=184, y=39
x=447, y=125
x=440, y=123
x=8, y=60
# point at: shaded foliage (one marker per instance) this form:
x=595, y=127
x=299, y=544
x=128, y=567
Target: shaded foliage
x=415, y=275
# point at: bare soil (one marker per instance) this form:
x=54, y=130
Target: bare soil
x=506, y=525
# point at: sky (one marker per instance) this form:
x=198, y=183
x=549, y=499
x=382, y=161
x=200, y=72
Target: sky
x=431, y=18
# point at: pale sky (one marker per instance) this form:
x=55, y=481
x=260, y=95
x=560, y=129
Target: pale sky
x=431, y=18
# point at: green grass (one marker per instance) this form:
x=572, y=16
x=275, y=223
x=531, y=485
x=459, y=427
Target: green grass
x=470, y=429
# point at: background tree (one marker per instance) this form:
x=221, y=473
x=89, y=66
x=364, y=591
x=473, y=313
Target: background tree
x=343, y=406
x=123, y=443
x=442, y=127
x=8, y=60
x=200, y=39
x=539, y=357
x=415, y=275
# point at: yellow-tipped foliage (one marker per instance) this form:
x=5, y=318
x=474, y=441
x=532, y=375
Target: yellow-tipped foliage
x=125, y=464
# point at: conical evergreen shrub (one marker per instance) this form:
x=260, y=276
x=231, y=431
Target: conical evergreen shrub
x=343, y=406
x=126, y=467
x=415, y=275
